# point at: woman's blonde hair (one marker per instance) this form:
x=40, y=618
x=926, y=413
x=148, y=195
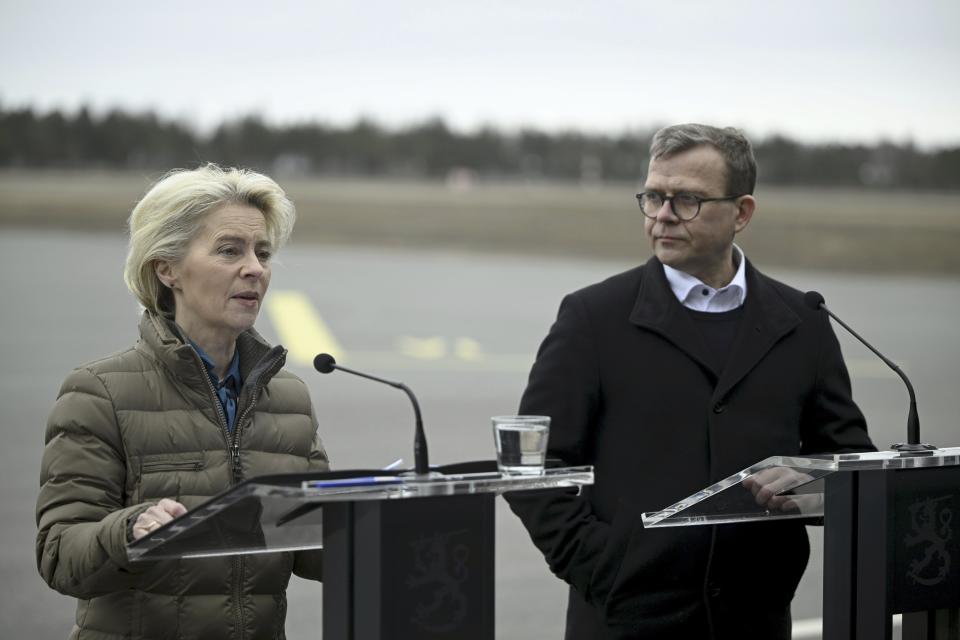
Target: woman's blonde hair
x=171, y=213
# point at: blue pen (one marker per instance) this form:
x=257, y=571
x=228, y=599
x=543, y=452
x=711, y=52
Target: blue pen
x=354, y=482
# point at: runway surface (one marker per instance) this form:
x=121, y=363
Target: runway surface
x=461, y=329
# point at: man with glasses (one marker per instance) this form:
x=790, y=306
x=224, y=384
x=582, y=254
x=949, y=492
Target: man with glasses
x=670, y=377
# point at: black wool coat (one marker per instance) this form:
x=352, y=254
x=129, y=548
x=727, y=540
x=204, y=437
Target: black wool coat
x=625, y=376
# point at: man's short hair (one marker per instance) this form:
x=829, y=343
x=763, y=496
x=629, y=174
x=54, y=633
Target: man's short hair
x=172, y=212
x=733, y=146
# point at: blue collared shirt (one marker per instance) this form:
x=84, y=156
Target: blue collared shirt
x=694, y=294
x=227, y=389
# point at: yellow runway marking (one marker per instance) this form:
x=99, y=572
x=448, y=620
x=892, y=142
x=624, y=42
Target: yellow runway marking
x=433, y=348
x=300, y=328
x=468, y=349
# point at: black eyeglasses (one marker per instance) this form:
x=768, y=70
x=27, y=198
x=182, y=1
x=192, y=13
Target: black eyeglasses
x=684, y=205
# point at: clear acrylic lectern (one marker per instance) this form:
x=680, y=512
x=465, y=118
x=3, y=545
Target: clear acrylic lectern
x=405, y=556
x=891, y=533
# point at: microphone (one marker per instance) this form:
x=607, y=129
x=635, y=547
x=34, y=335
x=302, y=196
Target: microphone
x=325, y=363
x=913, y=446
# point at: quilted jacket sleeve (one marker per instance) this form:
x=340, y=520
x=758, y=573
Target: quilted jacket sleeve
x=81, y=518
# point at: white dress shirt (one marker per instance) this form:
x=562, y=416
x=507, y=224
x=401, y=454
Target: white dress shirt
x=694, y=294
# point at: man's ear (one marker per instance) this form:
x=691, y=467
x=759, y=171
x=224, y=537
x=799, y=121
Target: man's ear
x=166, y=273
x=746, y=205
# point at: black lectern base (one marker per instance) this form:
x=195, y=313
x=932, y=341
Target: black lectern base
x=892, y=545
x=421, y=568
x=942, y=624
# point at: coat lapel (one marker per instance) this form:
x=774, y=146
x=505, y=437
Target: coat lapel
x=658, y=310
x=766, y=319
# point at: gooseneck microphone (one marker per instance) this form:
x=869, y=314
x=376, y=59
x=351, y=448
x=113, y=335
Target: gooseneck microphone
x=913, y=446
x=325, y=363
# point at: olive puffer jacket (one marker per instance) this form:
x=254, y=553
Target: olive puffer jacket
x=146, y=424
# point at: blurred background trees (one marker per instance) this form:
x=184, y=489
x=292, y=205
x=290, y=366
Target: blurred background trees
x=118, y=140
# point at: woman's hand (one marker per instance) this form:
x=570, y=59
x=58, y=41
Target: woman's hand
x=157, y=516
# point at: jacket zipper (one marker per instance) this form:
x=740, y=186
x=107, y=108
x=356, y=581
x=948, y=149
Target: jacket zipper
x=238, y=595
x=238, y=473
x=233, y=449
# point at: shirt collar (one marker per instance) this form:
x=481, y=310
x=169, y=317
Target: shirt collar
x=694, y=294
x=233, y=371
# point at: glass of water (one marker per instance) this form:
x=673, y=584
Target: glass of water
x=521, y=443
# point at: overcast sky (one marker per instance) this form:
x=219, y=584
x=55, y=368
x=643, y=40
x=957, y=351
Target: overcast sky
x=815, y=70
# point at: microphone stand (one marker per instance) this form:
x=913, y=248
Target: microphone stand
x=913, y=446
x=325, y=363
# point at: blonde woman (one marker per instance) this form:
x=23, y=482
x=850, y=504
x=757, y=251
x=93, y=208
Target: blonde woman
x=199, y=403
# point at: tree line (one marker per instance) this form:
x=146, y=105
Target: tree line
x=119, y=140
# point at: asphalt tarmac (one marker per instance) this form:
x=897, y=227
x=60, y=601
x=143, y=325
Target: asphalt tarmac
x=459, y=328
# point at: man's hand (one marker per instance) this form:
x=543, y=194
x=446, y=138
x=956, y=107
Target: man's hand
x=766, y=484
